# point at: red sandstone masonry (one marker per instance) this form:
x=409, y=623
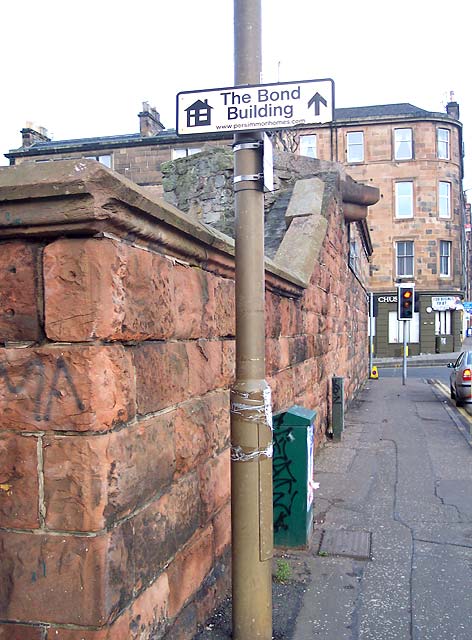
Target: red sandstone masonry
x=19, y=281
x=91, y=481
x=45, y=578
x=101, y=288
x=19, y=505
x=122, y=438
x=66, y=388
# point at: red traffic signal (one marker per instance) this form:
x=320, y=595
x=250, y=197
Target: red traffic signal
x=406, y=298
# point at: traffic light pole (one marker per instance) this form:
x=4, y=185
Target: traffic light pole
x=405, y=324
x=251, y=419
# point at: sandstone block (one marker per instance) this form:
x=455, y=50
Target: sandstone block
x=222, y=530
x=205, y=359
x=62, y=579
x=189, y=568
x=162, y=375
x=18, y=482
x=191, y=300
x=163, y=527
x=91, y=481
x=20, y=632
x=225, y=312
x=117, y=630
x=71, y=388
x=19, y=310
x=150, y=611
x=122, y=292
x=215, y=483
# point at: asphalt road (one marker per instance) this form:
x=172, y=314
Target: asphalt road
x=430, y=373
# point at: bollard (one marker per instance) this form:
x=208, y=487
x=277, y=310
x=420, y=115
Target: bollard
x=338, y=408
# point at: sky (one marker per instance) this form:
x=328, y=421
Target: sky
x=83, y=69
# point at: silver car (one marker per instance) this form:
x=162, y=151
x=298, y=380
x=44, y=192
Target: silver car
x=460, y=380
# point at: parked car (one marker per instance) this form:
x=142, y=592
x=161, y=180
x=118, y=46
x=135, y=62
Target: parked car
x=460, y=380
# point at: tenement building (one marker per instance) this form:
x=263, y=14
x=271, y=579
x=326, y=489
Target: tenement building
x=415, y=158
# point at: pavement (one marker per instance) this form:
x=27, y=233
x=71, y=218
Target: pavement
x=391, y=555
x=425, y=359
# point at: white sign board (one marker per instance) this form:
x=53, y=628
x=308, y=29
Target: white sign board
x=265, y=106
x=443, y=303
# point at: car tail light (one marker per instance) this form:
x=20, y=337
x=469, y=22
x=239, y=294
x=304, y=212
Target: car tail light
x=467, y=375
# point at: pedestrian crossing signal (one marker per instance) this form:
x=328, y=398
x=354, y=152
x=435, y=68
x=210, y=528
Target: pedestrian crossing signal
x=406, y=301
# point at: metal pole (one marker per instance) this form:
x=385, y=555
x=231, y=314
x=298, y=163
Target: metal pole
x=251, y=432
x=405, y=323
x=371, y=336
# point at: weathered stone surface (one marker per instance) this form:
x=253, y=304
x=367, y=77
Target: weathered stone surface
x=19, y=498
x=45, y=578
x=301, y=245
x=163, y=527
x=222, y=530
x=91, y=481
x=21, y=632
x=122, y=292
x=189, y=568
x=201, y=430
x=150, y=611
x=307, y=198
x=191, y=297
x=169, y=373
x=116, y=630
x=215, y=483
x=19, y=304
x=66, y=388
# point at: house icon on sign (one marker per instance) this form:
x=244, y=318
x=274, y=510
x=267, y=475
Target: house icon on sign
x=199, y=114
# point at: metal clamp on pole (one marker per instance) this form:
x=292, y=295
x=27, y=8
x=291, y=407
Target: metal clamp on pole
x=254, y=177
x=239, y=146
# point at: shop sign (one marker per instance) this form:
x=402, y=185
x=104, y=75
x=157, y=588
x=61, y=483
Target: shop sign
x=446, y=303
x=392, y=298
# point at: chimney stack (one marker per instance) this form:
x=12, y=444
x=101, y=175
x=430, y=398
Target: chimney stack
x=32, y=133
x=452, y=107
x=149, y=121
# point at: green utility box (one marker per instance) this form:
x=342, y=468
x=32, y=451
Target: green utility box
x=293, y=476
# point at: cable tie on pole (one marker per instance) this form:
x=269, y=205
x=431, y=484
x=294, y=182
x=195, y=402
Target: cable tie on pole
x=243, y=410
x=239, y=455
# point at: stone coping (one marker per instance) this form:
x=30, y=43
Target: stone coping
x=83, y=198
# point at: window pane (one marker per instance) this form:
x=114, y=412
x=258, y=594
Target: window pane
x=105, y=160
x=443, y=144
x=355, y=146
x=191, y=152
x=405, y=258
x=403, y=144
x=444, y=200
x=308, y=146
x=395, y=328
x=445, y=258
x=404, y=199
x=179, y=153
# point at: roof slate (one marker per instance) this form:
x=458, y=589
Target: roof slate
x=169, y=136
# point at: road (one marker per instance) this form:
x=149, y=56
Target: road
x=430, y=373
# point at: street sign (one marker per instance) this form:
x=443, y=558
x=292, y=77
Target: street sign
x=264, y=106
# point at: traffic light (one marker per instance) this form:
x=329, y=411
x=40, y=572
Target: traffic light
x=406, y=301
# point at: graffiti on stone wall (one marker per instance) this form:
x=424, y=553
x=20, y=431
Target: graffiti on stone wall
x=285, y=489
x=44, y=393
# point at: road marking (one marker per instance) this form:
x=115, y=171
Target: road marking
x=444, y=390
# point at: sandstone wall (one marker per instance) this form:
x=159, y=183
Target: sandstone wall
x=117, y=325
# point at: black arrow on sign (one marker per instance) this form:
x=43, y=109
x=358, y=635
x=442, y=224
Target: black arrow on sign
x=316, y=100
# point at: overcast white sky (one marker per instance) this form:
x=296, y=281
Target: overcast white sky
x=84, y=68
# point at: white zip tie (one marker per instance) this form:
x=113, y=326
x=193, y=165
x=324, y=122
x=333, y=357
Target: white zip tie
x=238, y=455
